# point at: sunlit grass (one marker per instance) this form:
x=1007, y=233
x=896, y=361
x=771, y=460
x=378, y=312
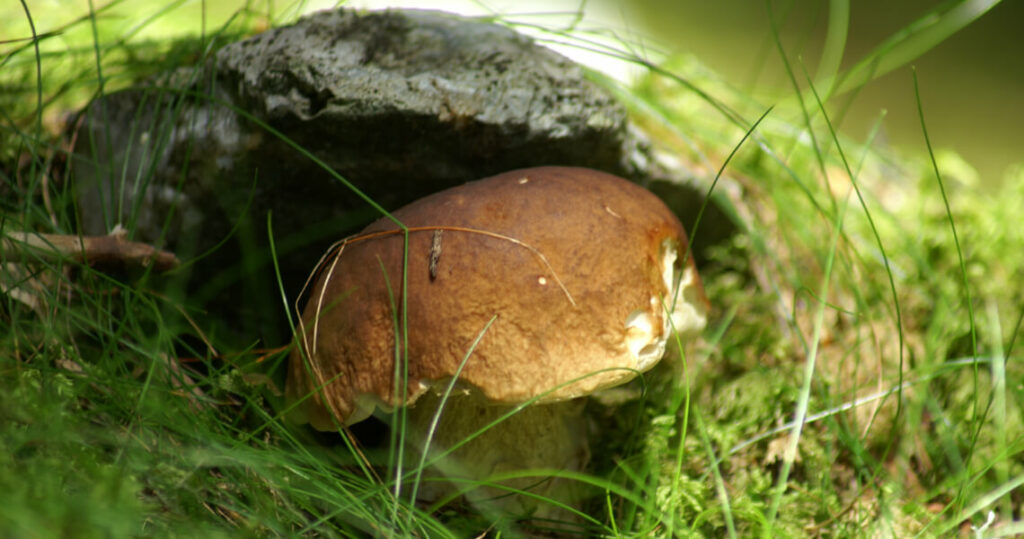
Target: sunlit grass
x=860, y=375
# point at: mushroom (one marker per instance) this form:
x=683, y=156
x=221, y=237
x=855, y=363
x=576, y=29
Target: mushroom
x=535, y=286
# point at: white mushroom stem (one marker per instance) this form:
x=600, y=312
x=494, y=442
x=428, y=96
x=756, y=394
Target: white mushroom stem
x=538, y=437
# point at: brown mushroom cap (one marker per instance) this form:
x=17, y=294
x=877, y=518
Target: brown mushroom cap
x=577, y=265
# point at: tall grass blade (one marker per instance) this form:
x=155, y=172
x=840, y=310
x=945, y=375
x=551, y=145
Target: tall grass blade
x=968, y=301
x=912, y=41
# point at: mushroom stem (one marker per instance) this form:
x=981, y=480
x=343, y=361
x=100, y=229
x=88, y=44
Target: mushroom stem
x=538, y=437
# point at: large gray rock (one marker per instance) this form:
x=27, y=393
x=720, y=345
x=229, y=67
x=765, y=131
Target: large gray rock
x=400, y=103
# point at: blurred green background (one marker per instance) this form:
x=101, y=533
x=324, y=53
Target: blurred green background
x=972, y=84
